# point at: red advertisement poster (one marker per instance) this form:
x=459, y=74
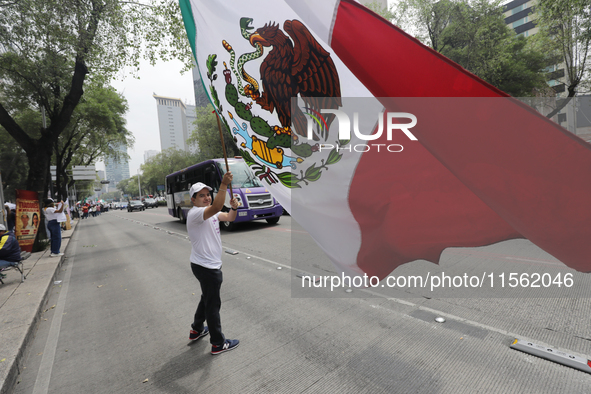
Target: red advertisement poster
x=27, y=218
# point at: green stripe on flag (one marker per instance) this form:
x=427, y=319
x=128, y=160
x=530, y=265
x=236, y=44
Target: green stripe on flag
x=191, y=30
x=189, y=24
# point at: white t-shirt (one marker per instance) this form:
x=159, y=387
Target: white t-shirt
x=50, y=213
x=206, y=243
x=61, y=217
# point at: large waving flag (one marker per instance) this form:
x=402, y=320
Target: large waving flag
x=448, y=161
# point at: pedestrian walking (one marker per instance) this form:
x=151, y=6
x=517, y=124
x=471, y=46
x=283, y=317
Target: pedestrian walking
x=206, y=260
x=51, y=214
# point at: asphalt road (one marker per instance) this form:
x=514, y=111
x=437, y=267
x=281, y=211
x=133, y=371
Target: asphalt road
x=118, y=321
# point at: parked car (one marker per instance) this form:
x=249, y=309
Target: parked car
x=135, y=205
x=123, y=205
x=150, y=203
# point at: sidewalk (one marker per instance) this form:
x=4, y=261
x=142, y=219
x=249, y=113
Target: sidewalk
x=21, y=304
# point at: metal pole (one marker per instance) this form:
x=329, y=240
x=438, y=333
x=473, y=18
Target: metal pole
x=49, y=170
x=4, y=218
x=139, y=184
x=224, y=150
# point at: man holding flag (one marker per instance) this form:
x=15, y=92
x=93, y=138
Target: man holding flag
x=483, y=168
x=203, y=226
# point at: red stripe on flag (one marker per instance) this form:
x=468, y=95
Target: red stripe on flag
x=391, y=63
x=439, y=192
x=410, y=207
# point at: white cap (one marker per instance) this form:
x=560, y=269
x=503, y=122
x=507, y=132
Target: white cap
x=2, y=227
x=197, y=187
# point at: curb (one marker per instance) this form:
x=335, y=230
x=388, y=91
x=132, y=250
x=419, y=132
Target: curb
x=9, y=373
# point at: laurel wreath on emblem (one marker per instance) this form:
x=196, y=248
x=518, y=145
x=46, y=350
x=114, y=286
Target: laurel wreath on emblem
x=263, y=148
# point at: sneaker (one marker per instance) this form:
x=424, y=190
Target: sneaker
x=56, y=255
x=230, y=344
x=195, y=335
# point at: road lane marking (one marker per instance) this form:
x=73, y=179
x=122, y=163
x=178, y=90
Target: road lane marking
x=44, y=374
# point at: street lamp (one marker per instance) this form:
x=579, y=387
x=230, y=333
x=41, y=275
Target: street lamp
x=139, y=183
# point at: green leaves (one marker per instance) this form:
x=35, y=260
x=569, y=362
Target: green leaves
x=207, y=138
x=473, y=34
x=247, y=157
x=568, y=24
x=56, y=51
x=157, y=168
x=211, y=64
x=313, y=173
x=289, y=180
x=333, y=157
x=214, y=96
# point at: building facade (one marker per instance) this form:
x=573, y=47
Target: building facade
x=201, y=99
x=191, y=119
x=520, y=16
x=175, y=121
x=117, y=169
x=172, y=122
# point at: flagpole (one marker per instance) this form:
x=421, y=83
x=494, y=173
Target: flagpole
x=217, y=116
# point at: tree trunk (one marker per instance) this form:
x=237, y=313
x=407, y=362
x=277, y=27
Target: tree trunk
x=563, y=103
x=39, y=156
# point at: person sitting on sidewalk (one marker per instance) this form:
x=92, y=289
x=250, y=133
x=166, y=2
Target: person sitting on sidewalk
x=10, y=251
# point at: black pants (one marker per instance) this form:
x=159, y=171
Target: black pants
x=210, y=303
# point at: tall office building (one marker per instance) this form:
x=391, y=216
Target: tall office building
x=175, y=120
x=191, y=117
x=117, y=169
x=172, y=122
x=520, y=16
x=201, y=99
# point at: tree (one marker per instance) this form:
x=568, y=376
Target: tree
x=478, y=39
x=125, y=187
x=568, y=23
x=97, y=126
x=51, y=49
x=427, y=19
x=474, y=35
x=110, y=196
x=155, y=169
x=13, y=164
x=207, y=136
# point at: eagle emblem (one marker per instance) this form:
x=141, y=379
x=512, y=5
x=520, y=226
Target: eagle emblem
x=292, y=65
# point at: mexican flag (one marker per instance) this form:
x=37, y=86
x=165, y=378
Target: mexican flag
x=385, y=151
